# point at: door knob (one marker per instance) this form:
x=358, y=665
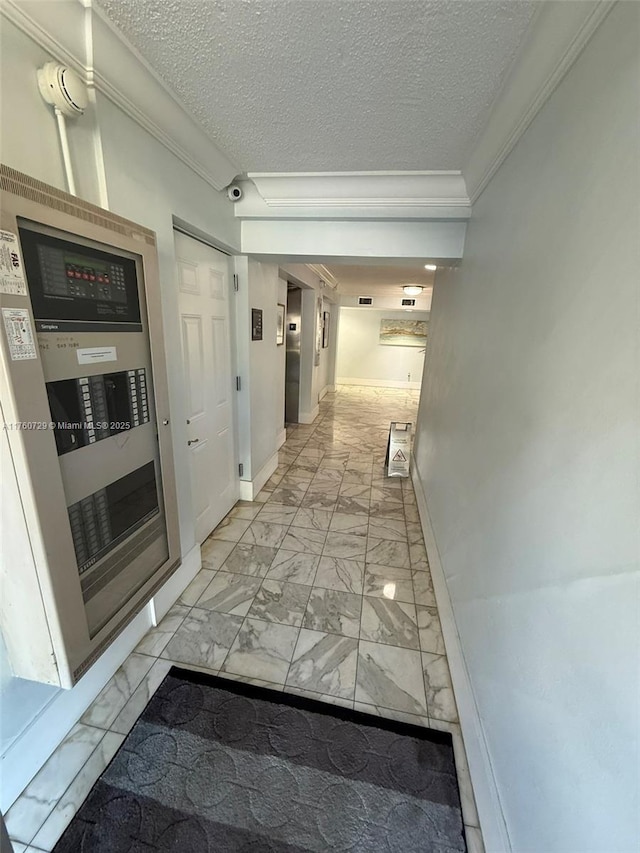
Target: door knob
x=193, y=441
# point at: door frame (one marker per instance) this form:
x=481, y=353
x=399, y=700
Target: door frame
x=180, y=226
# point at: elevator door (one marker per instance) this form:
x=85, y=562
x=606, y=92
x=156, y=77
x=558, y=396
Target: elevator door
x=203, y=280
x=292, y=380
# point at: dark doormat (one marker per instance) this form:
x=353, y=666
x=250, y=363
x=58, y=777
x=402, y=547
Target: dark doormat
x=215, y=765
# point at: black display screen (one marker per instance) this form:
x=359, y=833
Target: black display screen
x=76, y=289
x=102, y=520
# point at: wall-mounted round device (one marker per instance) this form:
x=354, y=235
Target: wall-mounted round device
x=234, y=192
x=61, y=87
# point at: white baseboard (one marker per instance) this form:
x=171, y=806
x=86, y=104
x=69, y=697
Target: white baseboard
x=250, y=488
x=323, y=393
x=485, y=789
x=379, y=383
x=331, y=389
x=169, y=593
x=280, y=440
x=308, y=417
x=26, y=755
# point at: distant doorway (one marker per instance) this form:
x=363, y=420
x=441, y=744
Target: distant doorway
x=292, y=339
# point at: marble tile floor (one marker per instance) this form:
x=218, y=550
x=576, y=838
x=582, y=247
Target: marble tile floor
x=319, y=587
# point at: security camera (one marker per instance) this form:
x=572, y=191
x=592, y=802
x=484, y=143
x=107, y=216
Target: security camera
x=234, y=192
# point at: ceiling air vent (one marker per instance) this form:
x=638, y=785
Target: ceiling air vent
x=365, y=300
x=408, y=302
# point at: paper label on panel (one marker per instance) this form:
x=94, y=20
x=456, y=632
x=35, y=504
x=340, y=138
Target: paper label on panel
x=89, y=355
x=11, y=273
x=17, y=326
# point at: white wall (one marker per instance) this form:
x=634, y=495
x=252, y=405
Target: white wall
x=147, y=183
x=527, y=449
x=363, y=360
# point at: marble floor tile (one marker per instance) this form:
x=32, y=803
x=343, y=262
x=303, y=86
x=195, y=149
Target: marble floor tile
x=66, y=807
x=279, y=601
x=423, y=589
x=324, y=663
x=382, y=494
x=204, y=638
x=390, y=677
x=386, y=509
x=343, y=522
x=418, y=557
x=351, y=490
x=340, y=574
x=197, y=586
x=319, y=697
x=257, y=682
x=467, y=799
x=391, y=714
x=37, y=801
x=316, y=518
x=391, y=622
x=264, y=533
x=263, y=496
x=384, y=552
x=353, y=506
x=262, y=650
x=429, y=630
x=358, y=477
x=214, y=552
x=306, y=470
x=323, y=486
x=393, y=484
x=230, y=593
x=157, y=638
x=327, y=475
x=411, y=513
x=252, y=560
x=116, y=692
x=475, y=844
x=393, y=529
x=345, y=545
x=288, y=497
x=277, y=513
x=294, y=566
x=125, y=720
x=320, y=500
x=231, y=529
x=334, y=612
x=245, y=509
x=388, y=582
x=304, y=539
x=439, y=691
x=414, y=533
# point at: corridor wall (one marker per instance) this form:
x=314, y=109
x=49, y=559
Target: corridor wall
x=363, y=360
x=527, y=455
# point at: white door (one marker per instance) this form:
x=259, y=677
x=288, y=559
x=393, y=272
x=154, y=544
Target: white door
x=204, y=283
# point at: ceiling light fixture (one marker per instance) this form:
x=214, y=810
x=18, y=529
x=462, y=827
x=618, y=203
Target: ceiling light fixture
x=431, y=267
x=413, y=289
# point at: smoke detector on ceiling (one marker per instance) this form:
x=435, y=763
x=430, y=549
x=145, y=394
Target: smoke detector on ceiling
x=61, y=87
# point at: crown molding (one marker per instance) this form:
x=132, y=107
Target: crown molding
x=81, y=36
x=324, y=275
x=354, y=195
x=556, y=37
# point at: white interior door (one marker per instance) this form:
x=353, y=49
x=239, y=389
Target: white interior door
x=204, y=283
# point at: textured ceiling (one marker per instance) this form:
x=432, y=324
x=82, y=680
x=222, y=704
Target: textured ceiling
x=332, y=85
x=387, y=280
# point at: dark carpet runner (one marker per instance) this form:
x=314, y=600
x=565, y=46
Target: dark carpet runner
x=214, y=765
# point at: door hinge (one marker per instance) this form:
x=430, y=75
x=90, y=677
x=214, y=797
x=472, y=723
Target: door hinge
x=238, y=383
x=236, y=286
x=240, y=469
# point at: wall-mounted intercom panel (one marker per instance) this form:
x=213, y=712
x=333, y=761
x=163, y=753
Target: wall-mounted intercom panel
x=85, y=407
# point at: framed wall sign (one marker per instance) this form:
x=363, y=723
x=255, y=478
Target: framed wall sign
x=256, y=324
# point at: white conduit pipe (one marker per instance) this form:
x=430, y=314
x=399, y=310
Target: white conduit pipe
x=66, y=154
